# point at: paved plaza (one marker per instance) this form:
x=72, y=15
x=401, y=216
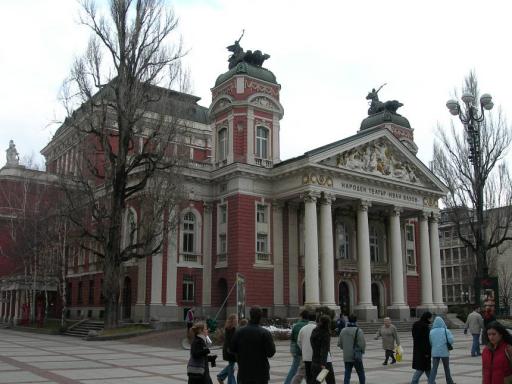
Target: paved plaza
x=35, y=358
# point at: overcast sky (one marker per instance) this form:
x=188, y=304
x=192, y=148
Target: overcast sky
x=326, y=55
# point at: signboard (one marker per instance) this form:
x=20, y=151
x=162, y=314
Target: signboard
x=487, y=293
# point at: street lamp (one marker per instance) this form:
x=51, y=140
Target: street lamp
x=471, y=116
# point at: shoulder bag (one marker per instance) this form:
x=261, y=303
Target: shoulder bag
x=195, y=367
x=358, y=353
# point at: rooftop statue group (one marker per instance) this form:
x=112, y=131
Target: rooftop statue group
x=255, y=58
x=377, y=106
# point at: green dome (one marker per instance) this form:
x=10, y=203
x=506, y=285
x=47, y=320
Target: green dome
x=248, y=69
x=384, y=117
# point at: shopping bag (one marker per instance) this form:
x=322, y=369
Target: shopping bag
x=399, y=353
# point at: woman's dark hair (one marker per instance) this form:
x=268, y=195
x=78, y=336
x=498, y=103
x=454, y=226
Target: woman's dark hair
x=498, y=327
x=324, y=322
x=426, y=316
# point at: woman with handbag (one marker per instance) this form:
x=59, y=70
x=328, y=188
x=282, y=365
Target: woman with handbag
x=497, y=355
x=197, y=367
x=227, y=355
x=389, y=340
x=441, y=340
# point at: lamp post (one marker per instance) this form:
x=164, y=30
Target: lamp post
x=471, y=116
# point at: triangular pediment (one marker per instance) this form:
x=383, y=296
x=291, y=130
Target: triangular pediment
x=378, y=155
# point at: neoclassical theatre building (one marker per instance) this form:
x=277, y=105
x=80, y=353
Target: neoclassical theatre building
x=350, y=225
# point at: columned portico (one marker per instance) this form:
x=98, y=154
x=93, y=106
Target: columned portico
x=437, y=283
x=326, y=253
x=426, y=271
x=365, y=310
x=311, y=250
x=277, y=224
x=398, y=309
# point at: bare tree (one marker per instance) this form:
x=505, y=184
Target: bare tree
x=451, y=164
x=126, y=124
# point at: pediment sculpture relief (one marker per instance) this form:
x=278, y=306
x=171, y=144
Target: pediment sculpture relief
x=377, y=158
x=265, y=102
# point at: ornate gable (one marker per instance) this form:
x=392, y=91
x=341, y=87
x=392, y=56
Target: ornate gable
x=381, y=157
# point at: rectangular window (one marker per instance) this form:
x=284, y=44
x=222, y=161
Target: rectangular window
x=374, y=245
x=410, y=246
x=261, y=213
x=261, y=142
x=223, y=144
x=91, y=292
x=79, y=299
x=223, y=248
x=262, y=243
x=188, y=288
x=343, y=241
x=223, y=214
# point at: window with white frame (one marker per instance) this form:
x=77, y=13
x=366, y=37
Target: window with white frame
x=222, y=144
x=223, y=214
x=223, y=245
x=188, y=231
x=374, y=245
x=261, y=213
x=410, y=246
x=262, y=142
x=262, y=255
x=342, y=241
x=188, y=288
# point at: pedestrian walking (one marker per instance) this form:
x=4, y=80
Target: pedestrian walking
x=488, y=318
x=441, y=340
x=389, y=339
x=421, y=351
x=190, y=318
x=475, y=324
x=340, y=324
x=321, y=345
x=351, y=341
x=253, y=346
x=294, y=349
x=229, y=370
x=197, y=367
x=497, y=355
x=304, y=343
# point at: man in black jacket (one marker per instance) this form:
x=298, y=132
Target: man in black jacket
x=253, y=345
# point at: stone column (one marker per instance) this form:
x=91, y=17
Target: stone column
x=207, y=259
x=437, y=282
x=311, y=250
x=326, y=253
x=425, y=267
x=293, y=260
x=277, y=250
x=399, y=309
x=172, y=272
x=365, y=310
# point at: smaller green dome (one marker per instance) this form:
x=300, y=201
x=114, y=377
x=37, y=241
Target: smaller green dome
x=384, y=117
x=250, y=70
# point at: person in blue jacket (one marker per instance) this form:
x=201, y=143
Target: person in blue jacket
x=440, y=337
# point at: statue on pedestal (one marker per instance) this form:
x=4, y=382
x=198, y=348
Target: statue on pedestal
x=13, y=158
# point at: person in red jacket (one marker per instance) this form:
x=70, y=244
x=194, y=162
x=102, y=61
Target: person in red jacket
x=495, y=362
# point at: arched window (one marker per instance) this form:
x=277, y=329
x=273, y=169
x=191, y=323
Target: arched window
x=342, y=238
x=222, y=144
x=262, y=142
x=188, y=230
x=374, y=245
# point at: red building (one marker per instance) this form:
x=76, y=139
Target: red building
x=352, y=224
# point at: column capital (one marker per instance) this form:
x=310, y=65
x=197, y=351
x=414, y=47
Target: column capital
x=363, y=205
x=207, y=206
x=310, y=196
x=434, y=217
x=327, y=198
x=424, y=215
x=396, y=211
x=277, y=205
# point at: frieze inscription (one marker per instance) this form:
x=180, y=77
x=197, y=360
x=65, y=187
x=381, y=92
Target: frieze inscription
x=380, y=192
